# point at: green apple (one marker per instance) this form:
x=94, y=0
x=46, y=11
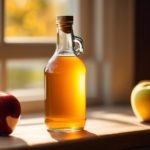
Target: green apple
x=140, y=100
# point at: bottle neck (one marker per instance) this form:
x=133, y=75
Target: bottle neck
x=65, y=39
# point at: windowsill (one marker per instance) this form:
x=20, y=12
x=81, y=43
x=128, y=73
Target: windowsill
x=106, y=128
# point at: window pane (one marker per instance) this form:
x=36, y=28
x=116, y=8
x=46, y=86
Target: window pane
x=33, y=18
x=25, y=78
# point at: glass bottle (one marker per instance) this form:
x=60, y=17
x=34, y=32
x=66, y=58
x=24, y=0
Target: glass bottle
x=65, y=94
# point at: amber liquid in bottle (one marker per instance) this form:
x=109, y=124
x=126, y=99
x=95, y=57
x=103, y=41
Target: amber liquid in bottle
x=65, y=105
x=65, y=97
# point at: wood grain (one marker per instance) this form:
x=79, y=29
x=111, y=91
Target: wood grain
x=106, y=128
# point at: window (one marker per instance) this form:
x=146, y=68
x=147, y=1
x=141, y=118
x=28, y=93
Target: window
x=27, y=41
x=25, y=78
x=26, y=19
x=107, y=31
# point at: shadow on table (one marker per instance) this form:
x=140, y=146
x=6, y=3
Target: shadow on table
x=7, y=142
x=145, y=123
x=70, y=136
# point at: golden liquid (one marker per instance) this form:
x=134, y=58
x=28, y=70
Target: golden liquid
x=65, y=101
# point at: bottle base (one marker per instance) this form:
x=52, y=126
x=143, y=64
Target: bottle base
x=65, y=130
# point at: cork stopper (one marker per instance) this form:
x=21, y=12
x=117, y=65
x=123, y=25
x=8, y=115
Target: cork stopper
x=64, y=20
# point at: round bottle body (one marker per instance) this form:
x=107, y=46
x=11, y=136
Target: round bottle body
x=65, y=94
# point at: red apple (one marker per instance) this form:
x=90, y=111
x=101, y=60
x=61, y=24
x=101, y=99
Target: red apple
x=10, y=111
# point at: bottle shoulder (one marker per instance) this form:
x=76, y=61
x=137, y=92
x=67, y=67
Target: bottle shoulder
x=65, y=65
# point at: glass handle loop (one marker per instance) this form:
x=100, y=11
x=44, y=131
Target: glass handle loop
x=80, y=42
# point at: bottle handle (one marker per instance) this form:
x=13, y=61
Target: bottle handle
x=80, y=49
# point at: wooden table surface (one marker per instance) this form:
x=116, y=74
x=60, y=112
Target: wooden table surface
x=106, y=128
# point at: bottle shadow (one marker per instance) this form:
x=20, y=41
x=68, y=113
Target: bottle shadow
x=145, y=123
x=59, y=136
x=8, y=142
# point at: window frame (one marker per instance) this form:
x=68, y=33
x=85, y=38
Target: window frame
x=105, y=56
x=20, y=51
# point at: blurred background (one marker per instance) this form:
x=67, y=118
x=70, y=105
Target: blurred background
x=116, y=41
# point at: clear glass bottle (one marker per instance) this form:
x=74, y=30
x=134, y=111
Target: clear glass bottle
x=65, y=75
